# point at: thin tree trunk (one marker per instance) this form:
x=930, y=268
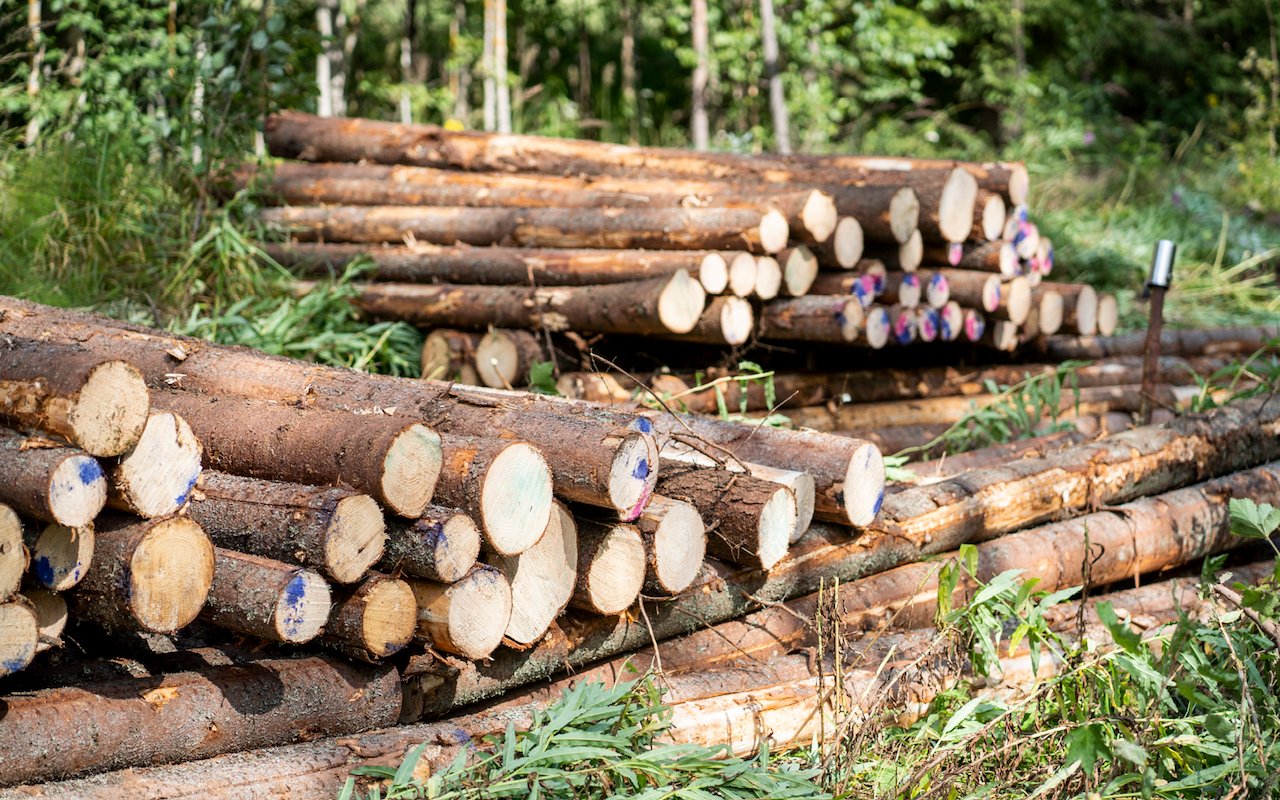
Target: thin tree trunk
x=372, y=619
x=701, y=131
x=777, y=98
x=459, y=74
x=585, y=109
x=487, y=66
x=406, y=61
x=503, y=101
x=630, y=106
x=37, y=63
x=324, y=59
x=1019, y=49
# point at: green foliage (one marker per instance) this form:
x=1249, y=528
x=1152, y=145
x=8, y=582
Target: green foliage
x=542, y=378
x=595, y=742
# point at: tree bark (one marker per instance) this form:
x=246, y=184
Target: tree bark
x=630, y=105
x=1079, y=307
x=501, y=73
x=817, y=318
x=1185, y=343
x=442, y=545
x=727, y=320
x=467, y=617
x=395, y=463
x=503, y=357
x=450, y=355
x=42, y=479
x=157, y=477
x=973, y=289
x=335, y=531
x=151, y=575
x=488, y=67
x=761, y=230
x=95, y=404
x=51, y=616
x=60, y=555
x=266, y=599
x=542, y=578
x=372, y=619
x=995, y=256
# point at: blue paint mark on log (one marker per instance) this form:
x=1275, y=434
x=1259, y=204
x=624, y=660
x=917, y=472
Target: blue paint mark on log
x=90, y=471
x=642, y=469
x=191, y=484
x=14, y=665
x=44, y=571
x=879, y=502
x=644, y=425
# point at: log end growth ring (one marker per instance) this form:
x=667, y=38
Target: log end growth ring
x=777, y=525
x=110, y=410
x=633, y=475
x=516, y=501
x=158, y=476
x=713, y=273
x=542, y=578
x=77, y=491
x=950, y=321
x=19, y=636
x=742, y=275
x=1087, y=311
x=850, y=317
x=61, y=556
x=170, y=574
x=479, y=612
x=848, y=242
x=681, y=303
x=864, y=485
x=410, y=470
x=993, y=217
x=456, y=548
x=681, y=542
x=617, y=572
x=303, y=607
x=1108, y=315
x=904, y=214
x=877, y=325
x=51, y=614
x=390, y=617
x=768, y=277
x=1051, y=312
x=354, y=539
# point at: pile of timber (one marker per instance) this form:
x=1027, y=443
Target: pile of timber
x=526, y=237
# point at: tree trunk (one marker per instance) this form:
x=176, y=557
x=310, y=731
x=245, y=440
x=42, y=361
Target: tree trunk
x=503, y=100
x=777, y=97
x=397, y=464
x=901, y=288
x=675, y=542
x=449, y=355
x=442, y=545
x=974, y=289
x=1186, y=343
x=61, y=555
x=59, y=733
x=14, y=557
x=151, y=575
x=611, y=566
x=488, y=66
x=799, y=270
x=630, y=106
x=727, y=320
x=42, y=479
x=542, y=578
x=866, y=286
x=505, y=486
x=467, y=617
x=816, y=318
x=660, y=305
x=760, y=230
x=156, y=479
x=1108, y=315
x=324, y=59
x=372, y=619
x=267, y=599
x=619, y=465
x=844, y=249
x=906, y=257
x=459, y=74
x=1050, y=309
x=996, y=256
x=99, y=406
x=335, y=531
x=698, y=28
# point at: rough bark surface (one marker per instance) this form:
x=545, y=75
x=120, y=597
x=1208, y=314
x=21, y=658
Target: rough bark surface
x=736, y=509
x=42, y=479
x=441, y=545
x=264, y=598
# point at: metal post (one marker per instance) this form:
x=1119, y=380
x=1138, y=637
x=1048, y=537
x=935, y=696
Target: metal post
x=1158, y=282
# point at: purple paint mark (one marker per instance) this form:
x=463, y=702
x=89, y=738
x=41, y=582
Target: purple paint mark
x=912, y=280
x=902, y=329
x=877, y=282
x=1022, y=213
x=974, y=327
x=929, y=325
x=955, y=252
x=944, y=326
x=640, y=505
x=91, y=471
x=862, y=292
x=938, y=283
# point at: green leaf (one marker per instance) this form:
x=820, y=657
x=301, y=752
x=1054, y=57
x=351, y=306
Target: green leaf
x=1028, y=586
x=1121, y=632
x=404, y=775
x=1253, y=521
x=969, y=555
x=348, y=789
x=1211, y=567
x=542, y=377
x=1220, y=728
x=1086, y=744
x=1129, y=751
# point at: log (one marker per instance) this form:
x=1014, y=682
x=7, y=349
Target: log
x=60, y=557
x=861, y=283
x=59, y=733
x=1026, y=239
x=768, y=278
x=268, y=599
x=450, y=355
x=902, y=325
x=44, y=480
x=150, y=575
x=542, y=578
x=337, y=532
x=1042, y=262
x=801, y=484
x=505, y=486
x=373, y=619
x=975, y=289
x=51, y=616
x=950, y=466
x=844, y=249
x=467, y=617
x=811, y=214
x=1050, y=308
x=901, y=288
x=507, y=266
x=1108, y=315
x=759, y=229
x=726, y=320
x=675, y=542
x=1185, y=343
x=19, y=636
x=742, y=275
x=927, y=322
x=884, y=213
x=815, y=318
x=799, y=270
x=1000, y=335
x=14, y=557
x=593, y=460
x=394, y=461
x=750, y=521
x=1079, y=307
x=503, y=357
x=937, y=289
x=647, y=307
x=975, y=325
x=951, y=321
x=1114, y=470
x=988, y=217
x=611, y=566
x=1015, y=301
x=997, y=256
x=157, y=477
x=947, y=198
x=442, y=545
x=906, y=257
x=97, y=405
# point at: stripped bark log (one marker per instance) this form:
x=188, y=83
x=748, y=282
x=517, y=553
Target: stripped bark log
x=467, y=617
x=60, y=556
x=947, y=198
x=726, y=320
x=42, y=479
x=157, y=477
x=372, y=619
x=268, y=599
x=542, y=578
x=336, y=531
x=442, y=545
x=988, y=217
x=611, y=566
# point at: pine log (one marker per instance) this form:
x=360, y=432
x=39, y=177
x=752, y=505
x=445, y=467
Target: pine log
x=44, y=480
x=936, y=288
x=997, y=256
x=395, y=462
x=19, y=636
x=335, y=531
x=814, y=318
x=801, y=484
x=974, y=289
x=975, y=325
x=1008, y=179
x=268, y=599
x=884, y=213
x=768, y=278
x=13, y=553
x=726, y=320
x=611, y=566
x=1042, y=261
x=861, y=283
x=449, y=355
x=97, y=405
x=906, y=257
x=951, y=321
x=442, y=545
x=811, y=214
x=1079, y=307
x=372, y=619
x=844, y=249
x=902, y=325
x=988, y=217
x=949, y=466
x=505, y=486
x=1025, y=239
x=742, y=275
x=675, y=542
x=1108, y=315
x=1185, y=343
x=60, y=556
x=51, y=616
x=467, y=617
x=947, y=198
x=507, y=266
x=157, y=477
x=759, y=229
x=648, y=307
x=58, y=733
x=901, y=288
x=799, y=270
x=1015, y=301
x=927, y=323
x=542, y=578
x=750, y=521
x=593, y=460
x=1000, y=335
x=503, y=357
x=1050, y=307
x=151, y=575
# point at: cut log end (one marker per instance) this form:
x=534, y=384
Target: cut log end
x=1010, y=266
x=1087, y=311
x=170, y=574
x=448, y=355
x=516, y=500
x=955, y=209
x=904, y=214
x=864, y=485
x=1018, y=300
x=992, y=291
x=410, y=470
x=951, y=321
x=903, y=325
x=777, y=524
x=937, y=291
x=681, y=303
x=742, y=275
x=851, y=317
x=61, y=556
x=713, y=273
x=848, y=242
x=13, y=556
x=467, y=618
x=774, y=231
x=19, y=636
x=541, y=578
x=1019, y=184
x=354, y=539
x=737, y=320
x=768, y=277
x=911, y=253
x=303, y=607
x=1051, y=312
x=926, y=323
x=799, y=270
x=818, y=215
x=806, y=492
x=877, y=327
x=678, y=543
x=51, y=616
x=110, y=410
x=612, y=580
x=993, y=216
x=975, y=324
x=632, y=475
x=1108, y=315
x=157, y=477
x=498, y=358
x=390, y=617
x=77, y=491
x=909, y=290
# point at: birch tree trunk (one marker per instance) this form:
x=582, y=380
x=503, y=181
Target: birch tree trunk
x=324, y=78
x=459, y=77
x=500, y=65
x=406, y=62
x=33, y=79
x=487, y=66
x=701, y=132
